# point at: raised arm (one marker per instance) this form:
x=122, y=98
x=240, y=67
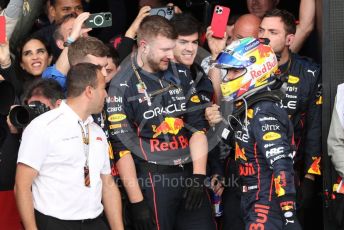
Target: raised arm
x=306, y=24
x=62, y=63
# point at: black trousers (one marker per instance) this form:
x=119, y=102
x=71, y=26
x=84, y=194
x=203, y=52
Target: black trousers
x=164, y=193
x=45, y=222
x=231, y=197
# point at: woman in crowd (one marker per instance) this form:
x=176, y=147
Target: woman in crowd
x=33, y=57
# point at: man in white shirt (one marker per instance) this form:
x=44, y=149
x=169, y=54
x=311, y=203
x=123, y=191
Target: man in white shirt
x=63, y=178
x=335, y=149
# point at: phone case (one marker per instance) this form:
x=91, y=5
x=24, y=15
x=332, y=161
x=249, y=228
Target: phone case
x=2, y=29
x=166, y=12
x=99, y=20
x=219, y=21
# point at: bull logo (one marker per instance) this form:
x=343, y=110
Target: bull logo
x=170, y=125
x=315, y=167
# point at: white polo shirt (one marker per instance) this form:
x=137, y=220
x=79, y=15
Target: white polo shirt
x=52, y=144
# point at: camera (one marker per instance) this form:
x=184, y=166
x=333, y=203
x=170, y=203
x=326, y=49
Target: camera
x=21, y=116
x=166, y=12
x=99, y=20
x=218, y=10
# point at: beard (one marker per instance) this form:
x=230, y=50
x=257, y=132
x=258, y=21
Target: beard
x=156, y=65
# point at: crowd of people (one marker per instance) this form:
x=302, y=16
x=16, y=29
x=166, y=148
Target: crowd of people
x=153, y=128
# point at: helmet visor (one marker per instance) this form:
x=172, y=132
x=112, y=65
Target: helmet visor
x=234, y=73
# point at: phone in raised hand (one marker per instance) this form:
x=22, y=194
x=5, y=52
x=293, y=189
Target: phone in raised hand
x=2, y=29
x=219, y=21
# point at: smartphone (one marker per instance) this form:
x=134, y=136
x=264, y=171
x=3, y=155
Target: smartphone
x=2, y=29
x=219, y=21
x=99, y=20
x=166, y=12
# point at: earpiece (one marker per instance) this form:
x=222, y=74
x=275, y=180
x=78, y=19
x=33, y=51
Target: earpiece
x=144, y=49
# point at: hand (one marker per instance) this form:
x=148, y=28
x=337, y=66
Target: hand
x=144, y=12
x=287, y=205
x=11, y=127
x=216, y=184
x=338, y=210
x=194, y=193
x=5, y=57
x=78, y=29
x=213, y=115
x=216, y=45
x=141, y=216
x=307, y=192
x=176, y=9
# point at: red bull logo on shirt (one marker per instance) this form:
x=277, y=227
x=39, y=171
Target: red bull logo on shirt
x=279, y=184
x=239, y=153
x=179, y=142
x=315, y=167
x=170, y=125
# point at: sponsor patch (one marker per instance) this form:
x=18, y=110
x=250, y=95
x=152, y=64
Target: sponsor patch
x=267, y=119
x=250, y=113
x=267, y=127
x=288, y=214
x=117, y=117
x=116, y=99
x=176, y=143
x=315, y=167
x=123, y=153
x=293, y=79
x=171, y=125
x=115, y=126
x=268, y=145
x=239, y=153
x=274, y=151
x=195, y=99
x=172, y=108
x=246, y=169
x=279, y=186
x=271, y=136
x=141, y=87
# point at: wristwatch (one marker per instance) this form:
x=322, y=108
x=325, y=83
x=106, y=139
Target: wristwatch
x=68, y=42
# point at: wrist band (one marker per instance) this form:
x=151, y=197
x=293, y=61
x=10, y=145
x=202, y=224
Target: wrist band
x=70, y=40
x=6, y=65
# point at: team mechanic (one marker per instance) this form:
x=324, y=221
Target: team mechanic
x=157, y=132
x=303, y=99
x=263, y=134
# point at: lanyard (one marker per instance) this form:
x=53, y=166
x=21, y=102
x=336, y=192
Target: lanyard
x=86, y=141
x=143, y=86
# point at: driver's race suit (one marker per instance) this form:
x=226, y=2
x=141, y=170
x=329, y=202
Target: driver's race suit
x=264, y=154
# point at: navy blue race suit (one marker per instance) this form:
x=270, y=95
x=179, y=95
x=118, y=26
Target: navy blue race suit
x=155, y=126
x=204, y=86
x=264, y=155
x=303, y=102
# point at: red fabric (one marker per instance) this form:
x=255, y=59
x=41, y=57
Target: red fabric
x=117, y=41
x=202, y=39
x=9, y=216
